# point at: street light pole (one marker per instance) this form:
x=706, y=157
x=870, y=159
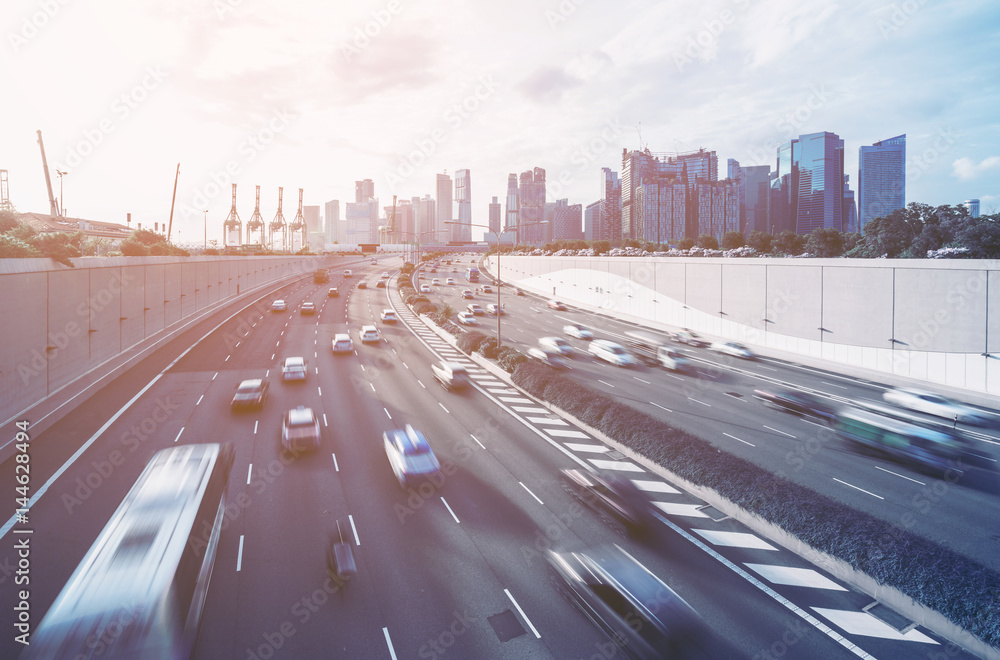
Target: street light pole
x=205, y=247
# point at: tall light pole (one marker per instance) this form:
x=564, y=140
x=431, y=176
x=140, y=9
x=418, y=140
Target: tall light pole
x=498, y=235
x=205, y=247
x=62, y=205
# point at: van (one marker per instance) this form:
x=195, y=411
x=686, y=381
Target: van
x=451, y=374
x=671, y=359
x=645, y=347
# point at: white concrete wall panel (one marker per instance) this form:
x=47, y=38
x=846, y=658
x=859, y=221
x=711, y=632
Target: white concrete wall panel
x=23, y=358
x=71, y=316
x=940, y=310
x=132, y=301
x=154, y=288
x=106, y=314
x=794, y=301
x=992, y=341
x=744, y=295
x=855, y=302
x=703, y=290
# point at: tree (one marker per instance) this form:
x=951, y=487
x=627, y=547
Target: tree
x=146, y=237
x=15, y=248
x=788, y=243
x=8, y=220
x=602, y=247
x=732, y=240
x=708, y=242
x=57, y=247
x=759, y=241
x=981, y=239
x=630, y=243
x=825, y=242
x=131, y=248
x=685, y=243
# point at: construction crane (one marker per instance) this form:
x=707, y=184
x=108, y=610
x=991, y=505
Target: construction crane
x=5, y=204
x=53, y=207
x=172, y=200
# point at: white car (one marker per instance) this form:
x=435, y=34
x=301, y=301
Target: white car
x=467, y=318
x=278, y=306
x=609, y=351
x=494, y=309
x=410, y=456
x=578, y=331
x=369, y=333
x=435, y=282
x=467, y=293
x=299, y=430
x=348, y=273
x=556, y=345
x=937, y=405
x=734, y=349
x=475, y=309
x=424, y=288
x=293, y=368
x=388, y=316
x=342, y=343
x=450, y=280
x=384, y=275
x=551, y=358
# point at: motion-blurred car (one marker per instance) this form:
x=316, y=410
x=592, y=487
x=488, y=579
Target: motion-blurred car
x=424, y=288
x=299, y=430
x=450, y=280
x=348, y=273
x=380, y=284
x=278, y=306
x=551, y=358
x=733, y=349
x=672, y=360
x=307, y=308
x=495, y=309
x=519, y=292
x=435, y=282
x=936, y=405
x=804, y=404
x=467, y=318
x=452, y=375
x=611, y=495
x=342, y=343
x=475, y=309
x=362, y=284
x=690, y=338
x=388, y=316
x=467, y=293
x=369, y=334
x=636, y=610
x=250, y=394
x=556, y=345
x=293, y=368
x=578, y=331
x=333, y=293
x=557, y=305
x=410, y=456
x=487, y=288
x=609, y=351
x=384, y=275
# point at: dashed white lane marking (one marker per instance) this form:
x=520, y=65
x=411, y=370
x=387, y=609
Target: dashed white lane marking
x=900, y=475
x=623, y=466
x=743, y=441
x=566, y=433
x=777, y=431
x=529, y=492
x=388, y=642
x=655, y=487
x=856, y=488
x=794, y=577
x=734, y=539
x=593, y=449
x=863, y=623
x=530, y=409
x=677, y=509
x=524, y=616
x=239, y=556
x=546, y=420
x=450, y=511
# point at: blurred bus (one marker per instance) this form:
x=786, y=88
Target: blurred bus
x=472, y=274
x=926, y=447
x=140, y=589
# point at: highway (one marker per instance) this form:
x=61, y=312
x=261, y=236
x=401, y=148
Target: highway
x=453, y=570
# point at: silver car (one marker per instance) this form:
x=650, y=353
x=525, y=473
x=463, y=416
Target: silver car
x=937, y=405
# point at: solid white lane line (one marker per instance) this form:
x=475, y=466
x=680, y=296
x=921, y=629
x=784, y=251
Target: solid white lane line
x=660, y=407
x=606, y=383
x=388, y=642
x=442, y=407
x=701, y=402
x=856, y=488
x=336, y=468
x=769, y=428
x=523, y=615
x=833, y=385
x=901, y=476
x=477, y=441
x=357, y=541
x=450, y=511
x=239, y=557
x=179, y=434
x=249, y=472
x=743, y=441
x=641, y=380
x=530, y=493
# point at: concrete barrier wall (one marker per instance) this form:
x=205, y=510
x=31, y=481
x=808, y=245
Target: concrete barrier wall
x=60, y=322
x=937, y=321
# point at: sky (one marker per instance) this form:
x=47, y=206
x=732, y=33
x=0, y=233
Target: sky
x=316, y=95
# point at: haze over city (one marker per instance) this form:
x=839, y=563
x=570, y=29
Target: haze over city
x=319, y=95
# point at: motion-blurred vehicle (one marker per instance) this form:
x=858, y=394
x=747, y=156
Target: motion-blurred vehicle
x=348, y=273
x=613, y=496
x=278, y=306
x=299, y=430
x=332, y=293
x=733, y=349
x=936, y=405
x=424, y=288
x=435, y=282
x=467, y=318
x=467, y=293
x=380, y=284
x=342, y=343
x=307, y=308
x=921, y=446
x=551, y=358
x=672, y=360
x=557, y=305
x=475, y=309
x=578, y=331
x=410, y=456
x=293, y=368
x=362, y=284
x=450, y=280
x=519, y=292
x=636, y=610
x=609, y=351
x=487, y=288
x=369, y=334
x=250, y=394
x=321, y=275
x=556, y=345
x=388, y=316
x=494, y=309
x=690, y=338
x=384, y=275
x=804, y=404
x=452, y=375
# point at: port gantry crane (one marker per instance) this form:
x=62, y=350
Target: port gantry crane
x=278, y=224
x=298, y=225
x=233, y=227
x=255, y=226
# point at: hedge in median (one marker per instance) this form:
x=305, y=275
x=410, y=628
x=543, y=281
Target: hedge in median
x=952, y=584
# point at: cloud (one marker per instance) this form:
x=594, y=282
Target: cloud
x=547, y=84
x=966, y=168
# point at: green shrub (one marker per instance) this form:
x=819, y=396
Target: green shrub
x=510, y=358
x=425, y=307
x=489, y=348
x=469, y=341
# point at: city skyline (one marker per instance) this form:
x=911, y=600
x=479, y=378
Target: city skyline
x=318, y=97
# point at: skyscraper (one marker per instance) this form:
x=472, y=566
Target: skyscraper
x=972, y=206
x=609, y=225
x=510, y=219
x=881, y=179
x=364, y=190
x=531, y=206
x=495, y=214
x=463, y=195
x=821, y=182
x=754, y=196
x=850, y=222
x=443, y=199
x=331, y=218
x=314, y=227
x=567, y=221
x=644, y=167
x=592, y=220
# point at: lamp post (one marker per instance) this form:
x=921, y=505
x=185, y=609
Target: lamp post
x=62, y=205
x=498, y=235
x=205, y=247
